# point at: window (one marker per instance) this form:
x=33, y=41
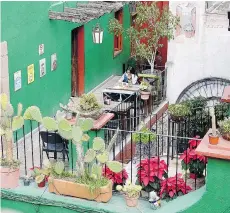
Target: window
x=118, y=43
x=132, y=48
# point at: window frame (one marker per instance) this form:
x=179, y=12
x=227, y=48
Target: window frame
x=118, y=40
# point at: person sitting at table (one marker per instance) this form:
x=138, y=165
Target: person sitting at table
x=129, y=76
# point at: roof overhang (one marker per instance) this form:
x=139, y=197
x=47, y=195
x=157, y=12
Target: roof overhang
x=85, y=12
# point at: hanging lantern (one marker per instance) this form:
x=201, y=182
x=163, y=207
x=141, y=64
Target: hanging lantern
x=132, y=7
x=97, y=34
x=229, y=20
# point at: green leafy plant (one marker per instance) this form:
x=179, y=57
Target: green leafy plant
x=224, y=127
x=144, y=136
x=195, y=104
x=129, y=189
x=92, y=162
x=89, y=102
x=144, y=86
x=179, y=110
x=221, y=111
x=159, y=24
x=92, y=182
x=10, y=123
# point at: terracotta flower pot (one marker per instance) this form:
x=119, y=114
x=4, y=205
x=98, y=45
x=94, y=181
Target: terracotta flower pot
x=214, y=140
x=42, y=184
x=131, y=202
x=9, y=178
x=145, y=95
x=69, y=188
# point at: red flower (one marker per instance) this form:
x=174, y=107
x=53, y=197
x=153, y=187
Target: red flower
x=150, y=169
x=194, y=142
x=172, y=186
x=118, y=178
x=190, y=155
x=36, y=167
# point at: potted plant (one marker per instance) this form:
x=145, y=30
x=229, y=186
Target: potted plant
x=145, y=90
x=131, y=192
x=173, y=187
x=150, y=173
x=151, y=25
x=116, y=178
x=192, y=162
x=90, y=183
x=214, y=135
x=178, y=112
x=40, y=176
x=144, y=140
x=224, y=127
x=8, y=124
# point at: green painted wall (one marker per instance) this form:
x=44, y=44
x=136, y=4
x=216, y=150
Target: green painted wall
x=217, y=196
x=99, y=60
x=24, y=207
x=25, y=25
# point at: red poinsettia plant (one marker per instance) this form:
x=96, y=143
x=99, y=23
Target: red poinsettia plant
x=150, y=173
x=117, y=178
x=192, y=161
x=173, y=187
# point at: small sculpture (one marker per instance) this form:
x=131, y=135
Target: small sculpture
x=154, y=200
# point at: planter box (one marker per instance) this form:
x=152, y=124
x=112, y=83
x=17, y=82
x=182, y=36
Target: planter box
x=63, y=187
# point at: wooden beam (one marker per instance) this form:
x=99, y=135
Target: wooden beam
x=107, y=7
x=67, y=17
x=84, y=12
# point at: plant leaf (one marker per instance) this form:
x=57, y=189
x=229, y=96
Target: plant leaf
x=17, y=123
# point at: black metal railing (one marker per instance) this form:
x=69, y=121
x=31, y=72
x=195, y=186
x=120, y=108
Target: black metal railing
x=168, y=145
x=150, y=162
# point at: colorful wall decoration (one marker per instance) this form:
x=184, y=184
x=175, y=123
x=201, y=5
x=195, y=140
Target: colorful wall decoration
x=187, y=14
x=30, y=73
x=17, y=80
x=41, y=49
x=42, y=66
x=53, y=62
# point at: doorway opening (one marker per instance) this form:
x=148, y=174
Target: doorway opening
x=77, y=61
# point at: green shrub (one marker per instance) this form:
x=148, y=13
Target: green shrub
x=89, y=102
x=144, y=136
x=179, y=110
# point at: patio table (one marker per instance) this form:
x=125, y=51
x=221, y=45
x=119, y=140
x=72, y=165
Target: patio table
x=128, y=91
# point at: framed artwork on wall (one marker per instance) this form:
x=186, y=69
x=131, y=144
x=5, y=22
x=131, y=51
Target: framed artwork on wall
x=42, y=66
x=53, y=62
x=30, y=73
x=17, y=80
x=41, y=49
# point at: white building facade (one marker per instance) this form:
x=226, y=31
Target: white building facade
x=200, y=50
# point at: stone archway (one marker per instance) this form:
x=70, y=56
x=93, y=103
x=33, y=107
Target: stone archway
x=209, y=88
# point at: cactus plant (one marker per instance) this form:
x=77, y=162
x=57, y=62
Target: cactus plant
x=103, y=157
x=98, y=144
x=96, y=157
x=8, y=124
x=89, y=156
x=33, y=113
x=50, y=124
x=59, y=167
x=114, y=166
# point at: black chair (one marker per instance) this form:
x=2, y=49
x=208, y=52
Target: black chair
x=53, y=142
